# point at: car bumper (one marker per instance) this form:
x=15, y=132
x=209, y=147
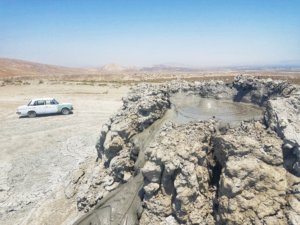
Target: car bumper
x=21, y=113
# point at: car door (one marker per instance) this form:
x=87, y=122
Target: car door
x=50, y=107
x=39, y=106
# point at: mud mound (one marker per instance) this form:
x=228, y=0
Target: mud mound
x=198, y=172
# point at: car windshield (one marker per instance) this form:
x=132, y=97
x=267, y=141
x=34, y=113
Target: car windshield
x=29, y=103
x=54, y=102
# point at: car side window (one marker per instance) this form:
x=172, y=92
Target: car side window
x=39, y=102
x=49, y=102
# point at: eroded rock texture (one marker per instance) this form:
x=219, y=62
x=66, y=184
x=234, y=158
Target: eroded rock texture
x=253, y=184
x=177, y=175
x=203, y=172
x=140, y=109
x=207, y=177
x=283, y=116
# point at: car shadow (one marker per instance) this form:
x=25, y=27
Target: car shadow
x=45, y=115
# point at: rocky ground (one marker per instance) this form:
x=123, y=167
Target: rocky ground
x=201, y=172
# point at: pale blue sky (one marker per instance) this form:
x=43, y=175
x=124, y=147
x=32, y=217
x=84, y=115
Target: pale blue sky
x=139, y=32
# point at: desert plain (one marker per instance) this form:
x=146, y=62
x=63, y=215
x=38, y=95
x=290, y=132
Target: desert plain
x=37, y=155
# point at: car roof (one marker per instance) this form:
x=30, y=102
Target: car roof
x=42, y=99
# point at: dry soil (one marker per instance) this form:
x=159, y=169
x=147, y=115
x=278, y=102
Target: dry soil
x=37, y=155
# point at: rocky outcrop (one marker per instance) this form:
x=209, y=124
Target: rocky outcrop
x=252, y=187
x=139, y=112
x=202, y=172
x=259, y=91
x=205, y=176
x=177, y=175
x=282, y=102
x=283, y=116
x=115, y=165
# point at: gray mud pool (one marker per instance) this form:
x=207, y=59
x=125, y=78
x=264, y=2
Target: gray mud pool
x=193, y=108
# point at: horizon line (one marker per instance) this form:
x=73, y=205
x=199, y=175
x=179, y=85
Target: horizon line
x=285, y=63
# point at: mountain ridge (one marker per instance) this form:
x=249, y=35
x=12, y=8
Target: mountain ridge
x=17, y=67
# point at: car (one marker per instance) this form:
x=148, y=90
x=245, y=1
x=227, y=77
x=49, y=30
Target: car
x=42, y=106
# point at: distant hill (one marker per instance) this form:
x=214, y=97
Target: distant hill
x=112, y=68
x=166, y=68
x=156, y=68
x=15, y=67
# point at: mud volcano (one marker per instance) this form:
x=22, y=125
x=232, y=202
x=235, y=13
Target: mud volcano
x=198, y=153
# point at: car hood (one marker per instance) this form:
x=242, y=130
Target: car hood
x=65, y=103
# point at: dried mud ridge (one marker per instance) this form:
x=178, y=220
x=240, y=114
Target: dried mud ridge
x=153, y=171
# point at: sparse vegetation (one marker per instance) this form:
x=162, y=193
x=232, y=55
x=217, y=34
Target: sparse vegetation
x=102, y=84
x=8, y=81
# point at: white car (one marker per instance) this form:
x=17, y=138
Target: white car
x=44, y=106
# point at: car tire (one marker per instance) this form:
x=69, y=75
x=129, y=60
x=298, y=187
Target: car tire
x=31, y=114
x=65, y=111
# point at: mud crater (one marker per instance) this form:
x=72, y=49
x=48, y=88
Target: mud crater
x=195, y=108
x=198, y=153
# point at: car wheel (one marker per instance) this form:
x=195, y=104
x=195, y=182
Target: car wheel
x=65, y=111
x=31, y=114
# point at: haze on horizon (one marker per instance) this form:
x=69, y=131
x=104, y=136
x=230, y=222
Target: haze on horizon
x=195, y=33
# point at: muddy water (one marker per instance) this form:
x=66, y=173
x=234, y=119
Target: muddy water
x=193, y=108
x=121, y=206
